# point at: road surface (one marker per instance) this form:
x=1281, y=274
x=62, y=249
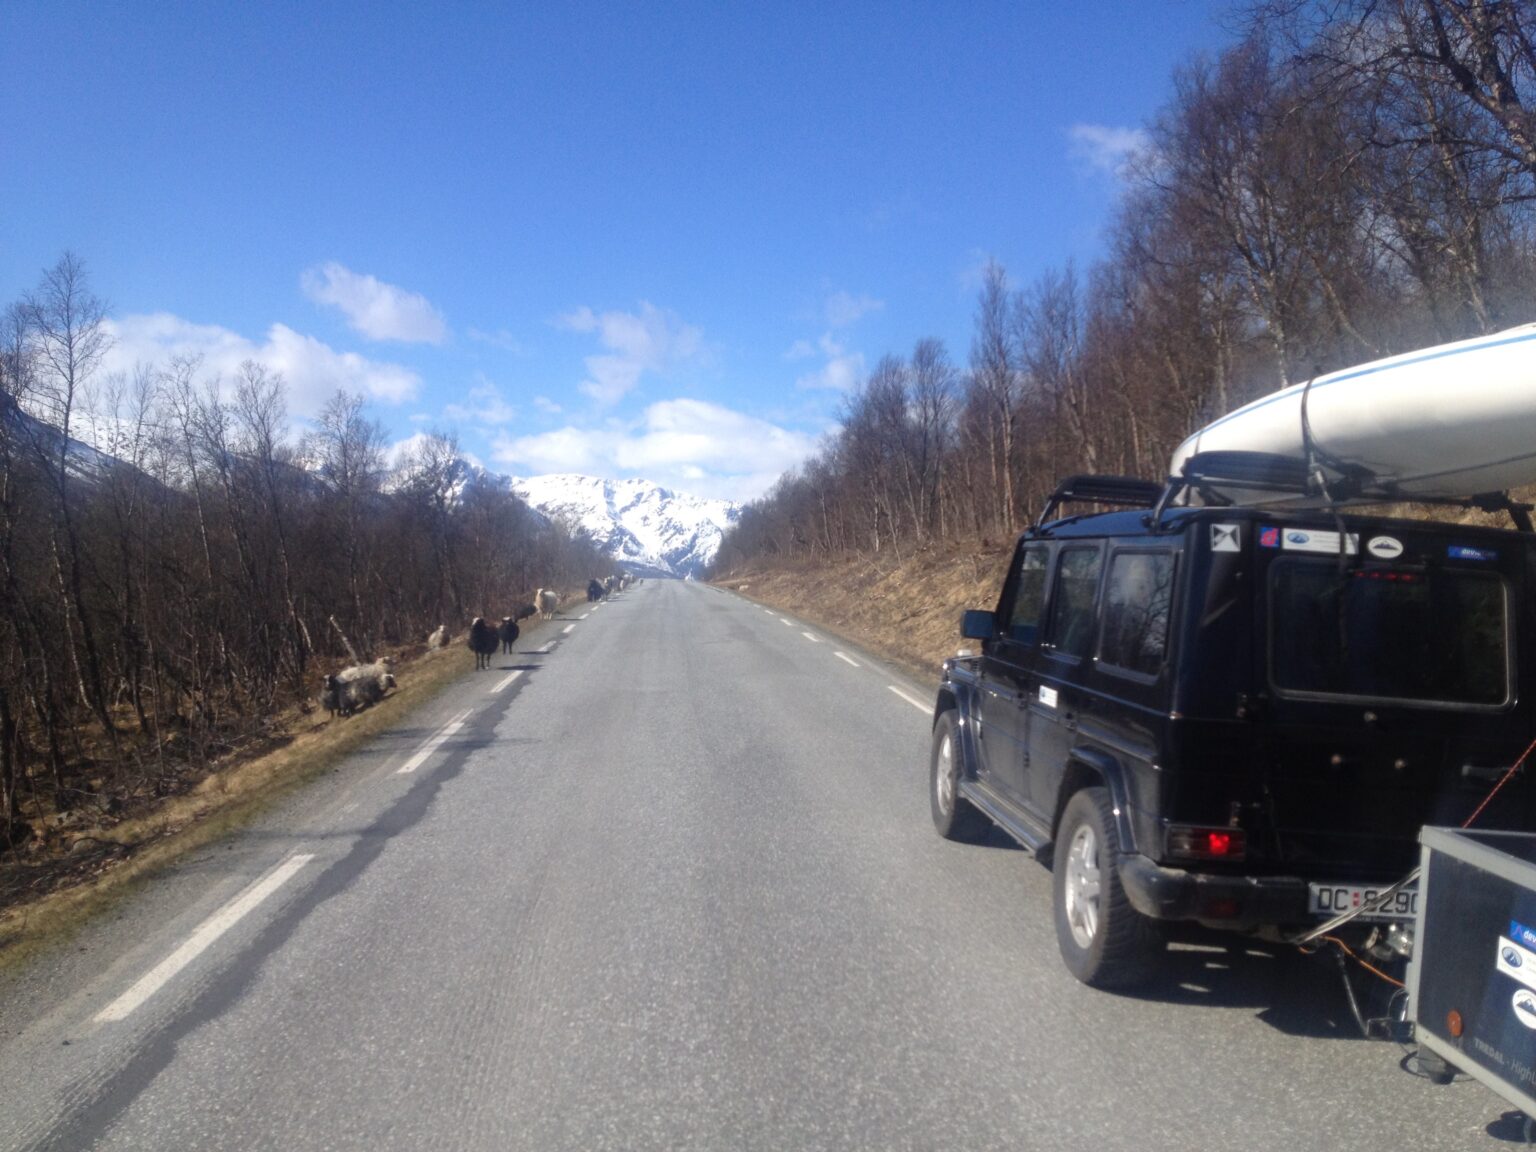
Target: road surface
x=673, y=885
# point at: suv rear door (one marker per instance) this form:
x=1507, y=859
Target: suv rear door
x=1005, y=673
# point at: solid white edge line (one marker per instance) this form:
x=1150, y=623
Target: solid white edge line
x=568, y=629
x=204, y=935
x=433, y=744
x=912, y=700
x=507, y=681
x=847, y=659
x=811, y=638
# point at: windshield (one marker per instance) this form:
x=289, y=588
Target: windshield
x=1435, y=636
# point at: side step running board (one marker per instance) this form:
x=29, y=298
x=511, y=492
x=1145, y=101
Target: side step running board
x=1006, y=816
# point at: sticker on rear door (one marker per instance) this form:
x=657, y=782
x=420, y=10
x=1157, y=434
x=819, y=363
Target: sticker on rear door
x=1385, y=547
x=1047, y=696
x=1226, y=538
x=1524, y=1005
x=1513, y=960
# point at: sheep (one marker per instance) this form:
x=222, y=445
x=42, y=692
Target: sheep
x=375, y=671
x=370, y=690
x=508, y=633
x=524, y=613
x=483, y=642
x=333, y=697
x=438, y=639
x=357, y=687
x=594, y=591
x=548, y=601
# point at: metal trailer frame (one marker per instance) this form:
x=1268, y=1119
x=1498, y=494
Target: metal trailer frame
x=1464, y=846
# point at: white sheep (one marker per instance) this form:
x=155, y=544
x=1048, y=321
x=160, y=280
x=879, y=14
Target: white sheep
x=548, y=601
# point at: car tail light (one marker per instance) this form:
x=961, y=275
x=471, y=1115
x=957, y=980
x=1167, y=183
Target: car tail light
x=1187, y=842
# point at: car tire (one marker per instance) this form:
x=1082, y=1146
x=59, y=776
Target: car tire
x=953, y=815
x=1105, y=942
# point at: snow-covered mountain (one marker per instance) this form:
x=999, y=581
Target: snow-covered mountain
x=639, y=524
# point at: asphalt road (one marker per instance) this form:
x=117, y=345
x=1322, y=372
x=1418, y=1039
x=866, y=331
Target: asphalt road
x=672, y=887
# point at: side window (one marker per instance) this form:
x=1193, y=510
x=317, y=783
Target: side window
x=1138, y=596
x=1077, y=579
x=1029, y=597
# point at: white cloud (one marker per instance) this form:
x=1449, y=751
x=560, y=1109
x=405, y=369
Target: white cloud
x=547, y=406
x=841, y=371
x=689, y=444
x=486, y=406
x=650, y=340
x=1107, y=149
x=313, y=370
x=378, y=310
x=844, y=308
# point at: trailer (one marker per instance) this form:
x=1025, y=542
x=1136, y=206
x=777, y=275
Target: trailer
x=1472, y=979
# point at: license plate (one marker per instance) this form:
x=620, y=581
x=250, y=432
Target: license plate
x=1327, y=900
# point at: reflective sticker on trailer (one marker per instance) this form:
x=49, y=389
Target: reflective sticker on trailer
x=1462, y=552
x=1513, y=960
x=1269, y=537
x=1047, y=696
x=1226, y=537
x=1524, y=1005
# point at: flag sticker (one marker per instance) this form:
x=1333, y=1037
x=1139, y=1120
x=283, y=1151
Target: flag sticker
x=1226, y=537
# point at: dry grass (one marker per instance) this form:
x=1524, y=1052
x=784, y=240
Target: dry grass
x=103, y=863
x=907, y=611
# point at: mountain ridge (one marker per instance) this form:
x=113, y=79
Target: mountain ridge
x=637, y=522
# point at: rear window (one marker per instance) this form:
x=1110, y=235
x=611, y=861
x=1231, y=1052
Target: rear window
x=1436, y=636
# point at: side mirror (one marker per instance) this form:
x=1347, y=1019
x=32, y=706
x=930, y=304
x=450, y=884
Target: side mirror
x=978, y=624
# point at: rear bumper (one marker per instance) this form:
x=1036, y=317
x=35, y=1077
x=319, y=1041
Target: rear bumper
x=1231, y=901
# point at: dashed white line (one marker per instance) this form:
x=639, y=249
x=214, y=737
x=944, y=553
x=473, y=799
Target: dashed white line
x=513, y=676
x=434, y=744
x=910, y=699
x=568, y=629
x=847, y=659
x=814, y=639
x=786, y=620
x=545, y=650
x=204, y=935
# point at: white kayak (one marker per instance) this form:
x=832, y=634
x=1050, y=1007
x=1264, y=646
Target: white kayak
x=1447, y=422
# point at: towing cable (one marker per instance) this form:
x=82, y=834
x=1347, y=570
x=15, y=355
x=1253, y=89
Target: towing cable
x=1324, y=933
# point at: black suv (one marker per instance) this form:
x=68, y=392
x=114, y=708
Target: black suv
x=1236, y=716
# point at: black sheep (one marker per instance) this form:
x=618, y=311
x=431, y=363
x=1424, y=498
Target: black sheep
x=524, y=612
x=483, y=642
x=594, y=590
x=508, y=632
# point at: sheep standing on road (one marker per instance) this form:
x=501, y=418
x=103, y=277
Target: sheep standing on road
x=548, y=601
x=525, y=612
x=594, y=591
x=508, y=633
x=483, y=642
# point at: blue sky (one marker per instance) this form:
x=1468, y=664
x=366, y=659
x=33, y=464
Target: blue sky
x=653, y=240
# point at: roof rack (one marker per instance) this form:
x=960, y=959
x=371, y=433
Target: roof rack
x=1127, y=491
x=1210, y=472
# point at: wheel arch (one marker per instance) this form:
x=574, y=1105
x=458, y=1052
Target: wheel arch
x=1094, y=768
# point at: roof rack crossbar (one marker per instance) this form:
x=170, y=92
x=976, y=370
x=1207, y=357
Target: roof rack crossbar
x=1127, y=491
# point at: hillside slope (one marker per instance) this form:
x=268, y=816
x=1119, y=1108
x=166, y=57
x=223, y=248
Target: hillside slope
x=907, y=611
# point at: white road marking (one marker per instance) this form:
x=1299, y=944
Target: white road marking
x=584, y=615
x=769, y=611
x=513, y=676
x=811, y=638
x=786, y=620
x=847, y=659
x=204, y=935
x=910, y=699
x=545, y=651
x=434, y=744
x=569, y=628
